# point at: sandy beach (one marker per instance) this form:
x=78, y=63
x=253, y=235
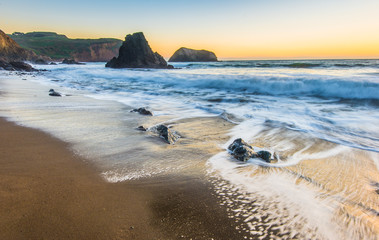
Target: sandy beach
x=49, y=193
x=77, y=167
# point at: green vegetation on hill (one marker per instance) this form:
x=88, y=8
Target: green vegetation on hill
x=59, y=46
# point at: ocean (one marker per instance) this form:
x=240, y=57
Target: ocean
x=320, y=117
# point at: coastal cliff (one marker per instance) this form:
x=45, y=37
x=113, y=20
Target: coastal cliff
x=58, y=46
x=11, y=51
x=135, y=52
x=191, y=55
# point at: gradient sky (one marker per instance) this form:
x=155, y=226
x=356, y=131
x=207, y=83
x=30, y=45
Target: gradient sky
x=244, y=29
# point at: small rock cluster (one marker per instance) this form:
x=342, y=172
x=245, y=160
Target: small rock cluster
x=242, y=151
x=163, y=131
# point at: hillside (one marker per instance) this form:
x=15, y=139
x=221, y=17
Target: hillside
x=58, y=46
x=11, y=51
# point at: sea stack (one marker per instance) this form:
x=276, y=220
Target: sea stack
x=191, y=55
x=135, y=52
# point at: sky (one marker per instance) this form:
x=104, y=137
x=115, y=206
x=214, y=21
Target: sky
x=235, y=29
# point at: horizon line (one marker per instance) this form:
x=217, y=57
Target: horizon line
x=252, y=58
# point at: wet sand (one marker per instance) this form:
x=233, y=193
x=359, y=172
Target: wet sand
x=46, y=192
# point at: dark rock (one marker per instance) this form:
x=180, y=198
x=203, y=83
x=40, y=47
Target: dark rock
x=52, y=63
x=241, y=150
x=141, y=128
x=5, y=65
x=54, y=93
x=143, y=111
x=21, y=66
x=191, y=55
x=16, y=66
x=135, y=52
x=265, y=155
x=71, y=61
x=165, y=133
x=40, y=61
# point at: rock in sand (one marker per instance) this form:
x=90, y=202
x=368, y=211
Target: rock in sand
x=242, y=151
x=169, y=136
x=143, y=111
x=54, y=93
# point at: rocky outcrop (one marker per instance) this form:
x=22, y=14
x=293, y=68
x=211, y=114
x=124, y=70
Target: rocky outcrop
x=242, y=151
x=143, y=111
x=16, y=66
x=10, y=51
x=71, y=61
x=169, y=136
x=191, y=55
x=135, y=52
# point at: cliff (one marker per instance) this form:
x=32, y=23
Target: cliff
x=191, y=55
x=11, y=51
x=59, y=46
x=135, y=52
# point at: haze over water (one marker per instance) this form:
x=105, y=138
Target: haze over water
x=320, y=117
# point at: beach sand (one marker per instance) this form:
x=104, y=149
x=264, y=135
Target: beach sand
x=46, y=192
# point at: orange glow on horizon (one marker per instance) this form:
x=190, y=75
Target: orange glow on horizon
x=286, y=48
x=239, y=29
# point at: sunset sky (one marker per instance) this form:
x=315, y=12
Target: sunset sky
x=242, y=29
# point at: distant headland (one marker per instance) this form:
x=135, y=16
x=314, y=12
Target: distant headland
x=191, y=55
x=58, y=46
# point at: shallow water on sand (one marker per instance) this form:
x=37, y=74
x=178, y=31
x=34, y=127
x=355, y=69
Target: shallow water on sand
x=319, y=117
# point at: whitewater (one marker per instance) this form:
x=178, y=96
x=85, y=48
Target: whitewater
x=319, y=116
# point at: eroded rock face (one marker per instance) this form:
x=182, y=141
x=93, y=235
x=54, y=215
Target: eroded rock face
x=191, y=55
x=10, y=51
x=135, y=52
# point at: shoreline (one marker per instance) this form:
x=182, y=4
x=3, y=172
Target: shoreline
x=193, y=189
x=49, y=193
